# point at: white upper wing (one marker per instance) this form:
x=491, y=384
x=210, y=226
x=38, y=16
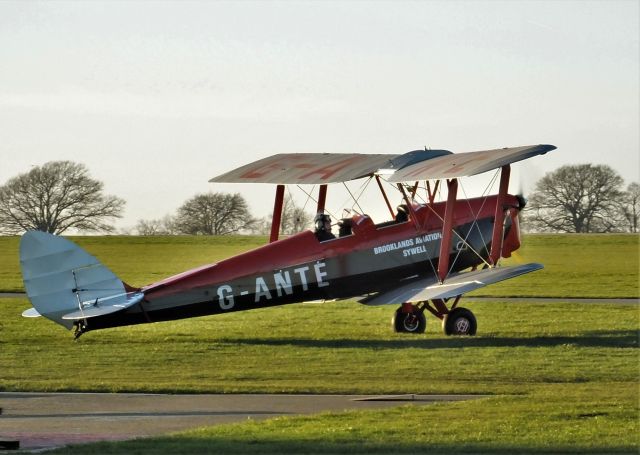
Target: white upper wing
x=321, y=168
x=307, y=168
x=465, y=164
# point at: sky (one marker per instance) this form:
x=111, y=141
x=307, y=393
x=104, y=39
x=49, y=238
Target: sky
x=156, y=98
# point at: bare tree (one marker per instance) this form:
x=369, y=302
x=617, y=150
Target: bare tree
x=54, y=197
x=214, y=214
x=294, y=218
x=631, y=206
x=579, y=198
x=159, y=226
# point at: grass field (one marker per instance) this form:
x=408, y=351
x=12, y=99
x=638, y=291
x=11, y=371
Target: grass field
x=580, y=265
x=562, y=377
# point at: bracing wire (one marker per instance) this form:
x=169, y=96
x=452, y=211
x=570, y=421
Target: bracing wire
x=310, y=196
x=464, y=240
x=356, y=195
x=433, y=267
x=359, y=192
x=485, y=196
x=304, y=207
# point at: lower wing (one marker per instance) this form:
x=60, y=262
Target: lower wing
x=456, y=284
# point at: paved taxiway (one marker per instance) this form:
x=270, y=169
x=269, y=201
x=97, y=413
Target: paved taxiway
x=45, y=420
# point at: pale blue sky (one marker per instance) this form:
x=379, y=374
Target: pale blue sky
x=158, y=97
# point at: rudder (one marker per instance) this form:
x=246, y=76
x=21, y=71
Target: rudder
x=66, y=284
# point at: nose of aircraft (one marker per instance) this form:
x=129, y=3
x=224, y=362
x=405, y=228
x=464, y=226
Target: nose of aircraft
x=512, y=237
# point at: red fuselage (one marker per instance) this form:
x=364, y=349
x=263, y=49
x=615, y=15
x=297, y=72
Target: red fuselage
x=300, y=268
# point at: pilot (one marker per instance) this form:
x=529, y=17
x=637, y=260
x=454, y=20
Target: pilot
x=322, y=223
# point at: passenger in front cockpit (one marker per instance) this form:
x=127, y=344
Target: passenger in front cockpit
x=403, y=214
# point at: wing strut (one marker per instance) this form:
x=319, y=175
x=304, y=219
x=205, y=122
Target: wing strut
x=384, y=194
x=447, y=229
x=277, y=213
x=412, y=213
x=498, y=220
x=322, y=198
x=432, y=194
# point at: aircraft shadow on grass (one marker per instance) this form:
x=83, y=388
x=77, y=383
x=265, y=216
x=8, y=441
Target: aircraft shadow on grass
x=289, y=444
x=596, y=339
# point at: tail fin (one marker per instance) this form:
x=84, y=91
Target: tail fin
x=65, y=283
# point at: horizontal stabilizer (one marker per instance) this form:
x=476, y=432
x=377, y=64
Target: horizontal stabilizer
x=31, y=313
x=102, y=306
x=455, y=285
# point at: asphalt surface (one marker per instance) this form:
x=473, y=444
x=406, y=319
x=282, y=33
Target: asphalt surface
x=47, y=420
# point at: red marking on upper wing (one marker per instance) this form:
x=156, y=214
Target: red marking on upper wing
x=327, y=172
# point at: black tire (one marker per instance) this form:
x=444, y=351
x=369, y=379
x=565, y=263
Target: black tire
x=460, y=321
x=414, y=322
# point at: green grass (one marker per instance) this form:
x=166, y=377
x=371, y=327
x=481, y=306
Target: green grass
x=562, y=377
x=273, y=350
x=575, y=265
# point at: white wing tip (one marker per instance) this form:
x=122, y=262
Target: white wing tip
x=31, y=313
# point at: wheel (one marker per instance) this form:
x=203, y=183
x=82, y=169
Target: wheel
x=414, y=322
x=459, y=321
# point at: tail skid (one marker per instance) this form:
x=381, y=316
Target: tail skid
x=68, y=285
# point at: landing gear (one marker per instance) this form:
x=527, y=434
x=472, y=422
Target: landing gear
x=459, y=321
x=80, y=328
x=409, y=319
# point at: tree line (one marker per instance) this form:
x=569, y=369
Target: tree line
x=583, y=198
x=61, y=195
x=221, y=214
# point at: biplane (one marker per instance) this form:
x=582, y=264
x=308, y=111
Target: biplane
x=423, y=258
